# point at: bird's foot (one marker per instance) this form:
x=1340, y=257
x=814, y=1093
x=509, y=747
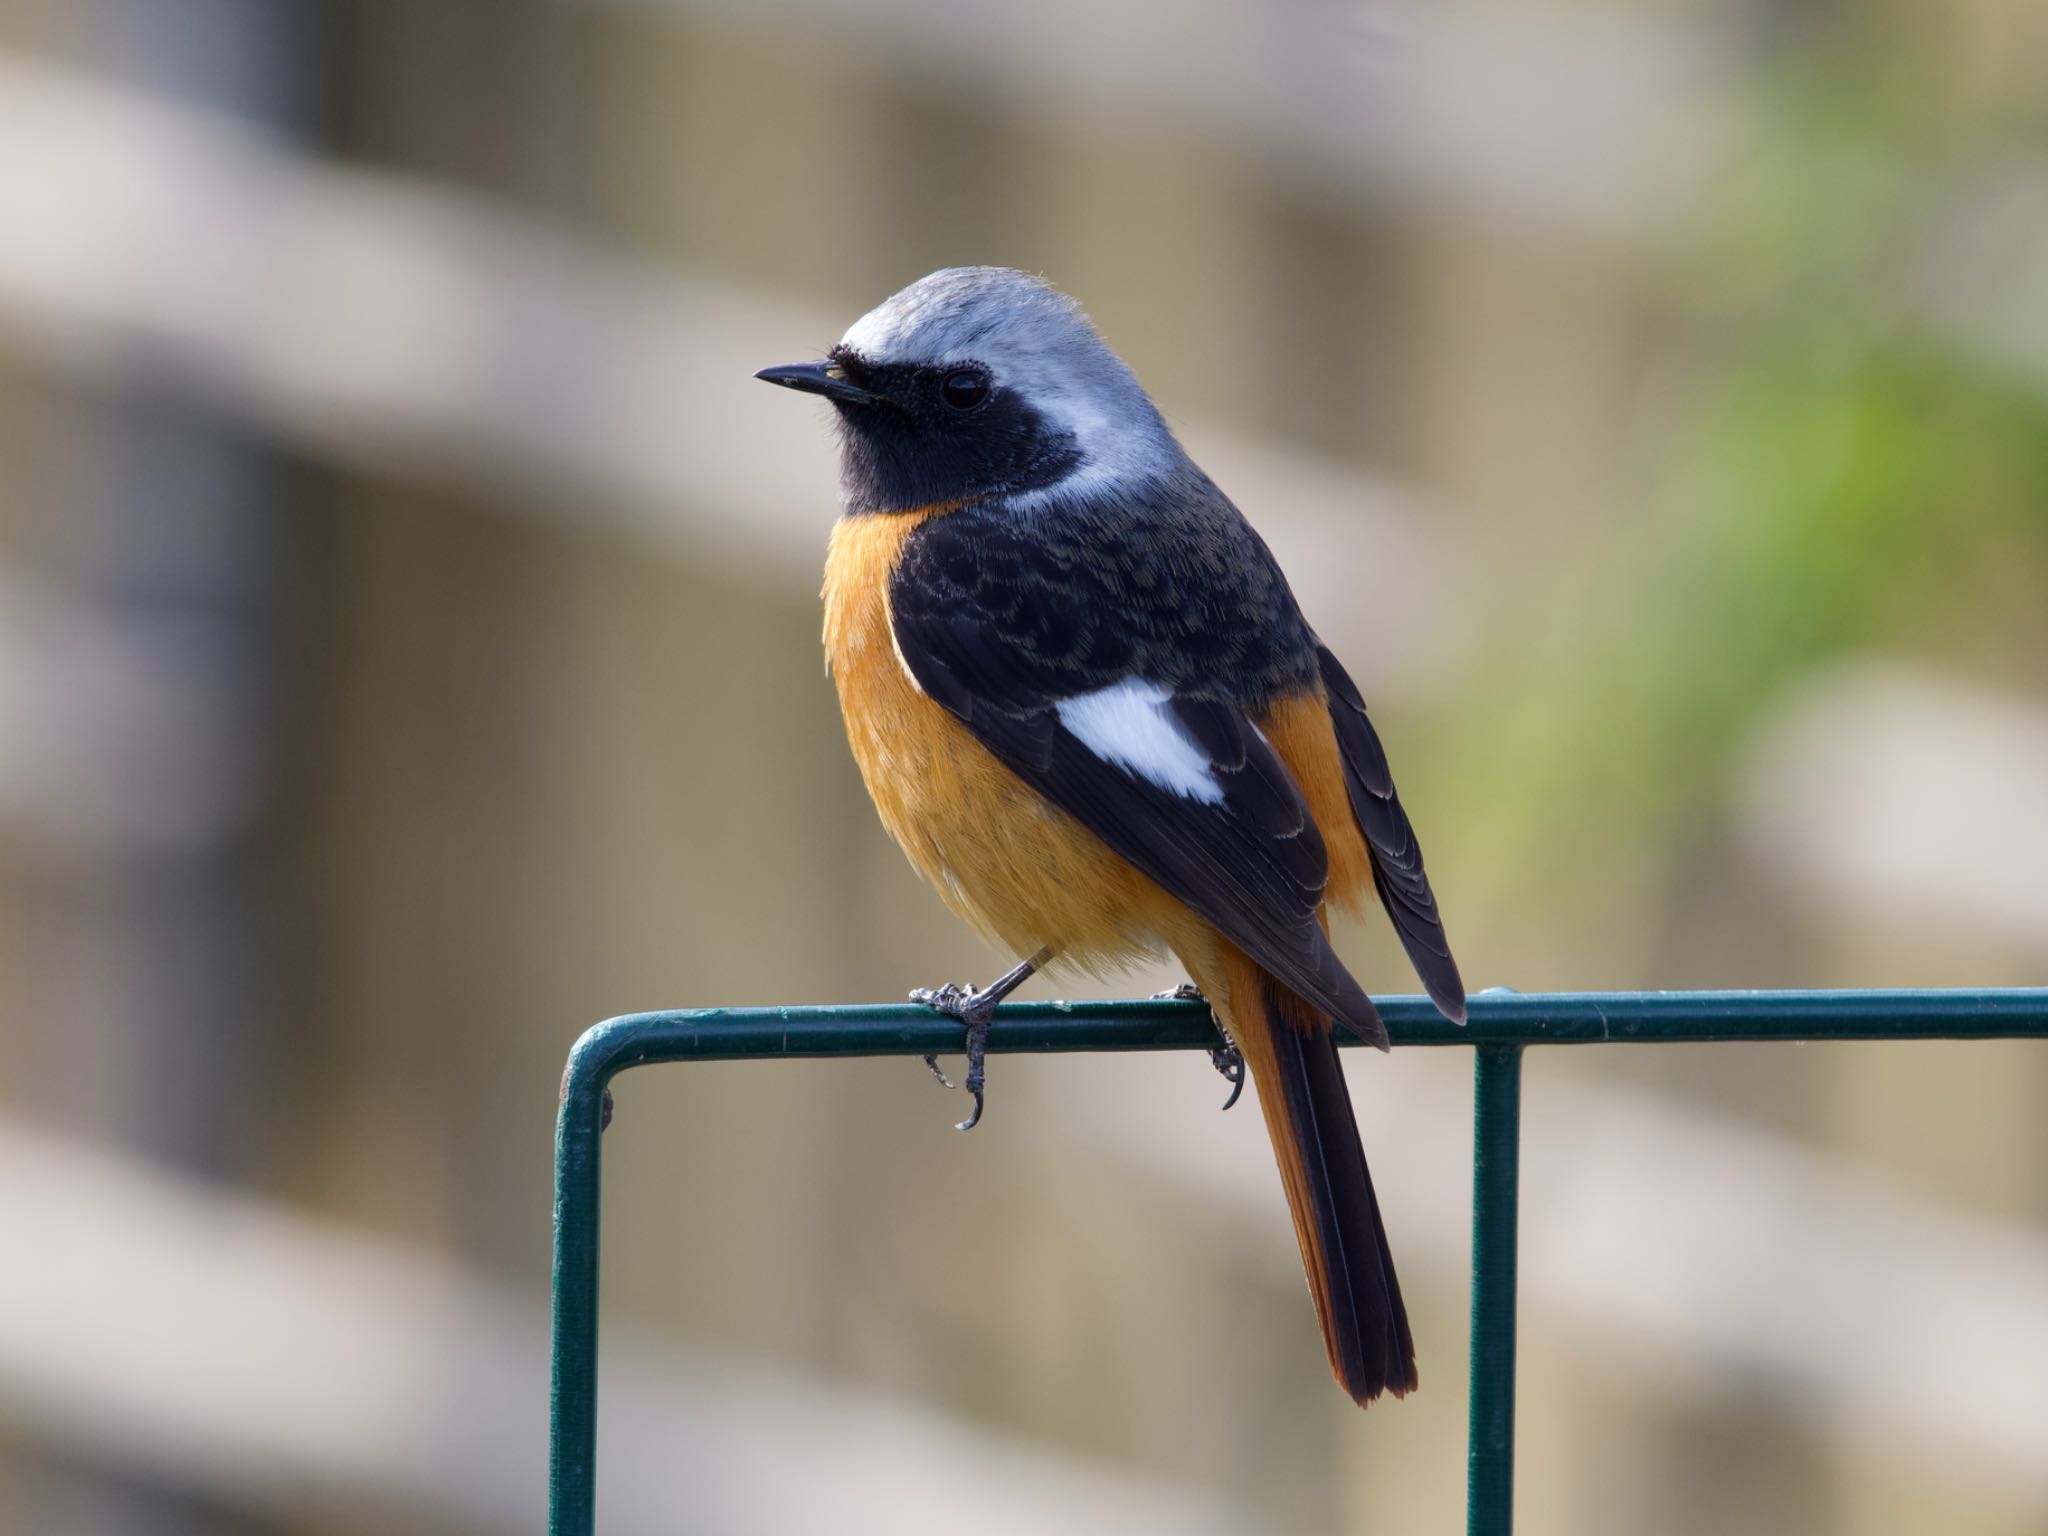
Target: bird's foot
x=975, y=1008
x=1229, y=1061
x=1226, y=1058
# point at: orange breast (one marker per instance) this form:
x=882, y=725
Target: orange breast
x=1014, y=865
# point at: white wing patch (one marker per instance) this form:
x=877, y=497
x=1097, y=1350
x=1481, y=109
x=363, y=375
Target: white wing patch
x=1128, y=724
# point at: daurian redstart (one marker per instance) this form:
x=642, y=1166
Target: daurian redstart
x=1088, y=707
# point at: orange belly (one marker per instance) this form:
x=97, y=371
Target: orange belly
x=1015, y=866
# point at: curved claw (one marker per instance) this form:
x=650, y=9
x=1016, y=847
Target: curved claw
x=974, y=1119
x=1229, y=1061
x=977, y=1068
x=933, y=1063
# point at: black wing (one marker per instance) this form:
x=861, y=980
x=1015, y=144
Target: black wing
x=1001, y=631
x=1397, y=870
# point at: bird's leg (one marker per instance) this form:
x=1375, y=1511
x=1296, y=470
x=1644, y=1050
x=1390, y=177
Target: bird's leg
x=1226, y=1058
x=976, y=1008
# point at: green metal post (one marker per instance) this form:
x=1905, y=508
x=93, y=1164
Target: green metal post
x=572, y=1409
x=1496, y=1197
x=1502, y=1023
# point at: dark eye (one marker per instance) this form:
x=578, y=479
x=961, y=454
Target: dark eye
x=964, y=389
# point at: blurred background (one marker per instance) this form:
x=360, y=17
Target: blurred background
x=409, y=656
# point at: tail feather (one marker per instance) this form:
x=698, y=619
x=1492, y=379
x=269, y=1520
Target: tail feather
x=1294, y=1062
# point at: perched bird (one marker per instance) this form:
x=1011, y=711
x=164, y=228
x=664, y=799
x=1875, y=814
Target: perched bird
x=1088, y=707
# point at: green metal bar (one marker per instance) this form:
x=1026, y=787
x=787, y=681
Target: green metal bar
x=572, y=1406
x=1497, y=1020
x=1496, y=1198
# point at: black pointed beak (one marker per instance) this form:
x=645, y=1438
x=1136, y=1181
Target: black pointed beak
x=827, y=379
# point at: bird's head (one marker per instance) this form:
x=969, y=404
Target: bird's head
x=978, y=382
